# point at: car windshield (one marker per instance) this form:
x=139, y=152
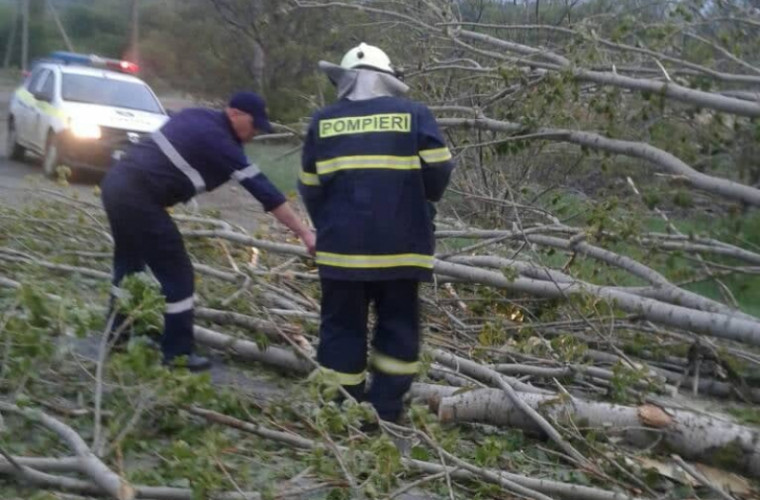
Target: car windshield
x=108, y=92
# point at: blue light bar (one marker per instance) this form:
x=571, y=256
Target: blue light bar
x=71, y=58
x=92, y=60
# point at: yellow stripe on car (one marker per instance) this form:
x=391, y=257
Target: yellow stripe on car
x=27, y=97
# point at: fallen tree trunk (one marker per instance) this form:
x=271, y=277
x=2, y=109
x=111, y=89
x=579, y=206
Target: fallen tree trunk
x=709, y=323
x=667, y=161
x=689, y=434
x=36, y=477
x=107, y=480
x=275, y=356
x=476, y=370
x=662, y=289
x=716, y=324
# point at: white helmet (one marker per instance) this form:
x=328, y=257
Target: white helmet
x=367, y=56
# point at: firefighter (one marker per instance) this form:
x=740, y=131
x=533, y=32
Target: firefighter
x=197, y=150
x=373, y=162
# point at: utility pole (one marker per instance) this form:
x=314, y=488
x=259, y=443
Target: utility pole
x=11, y=38
x=57, y=20
x=24, y=33
x=133, y=53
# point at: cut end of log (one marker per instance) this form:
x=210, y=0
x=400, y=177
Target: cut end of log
x=446, y=412
x=126, y=491
x=654, y=416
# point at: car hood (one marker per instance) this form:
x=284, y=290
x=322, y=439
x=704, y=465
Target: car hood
x=121, y=118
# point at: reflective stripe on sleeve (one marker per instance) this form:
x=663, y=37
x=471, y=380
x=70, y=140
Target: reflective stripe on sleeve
x=375, y=261
x=368, y=162
x=393, y=366
x=308, y=179
x=251, y=170
x=435, y=155
x=179, y=307
x=171, y=152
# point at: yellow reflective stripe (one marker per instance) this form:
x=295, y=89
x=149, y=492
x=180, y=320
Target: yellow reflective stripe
x=384, y=122
x=308, y=179
x=26, y=97
x=370, y=261
x=368, y=161
x=50, y=110
x=340, y=377
x=435, y=155
x=393, y=366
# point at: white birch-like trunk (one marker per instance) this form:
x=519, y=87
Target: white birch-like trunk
x=689, y=434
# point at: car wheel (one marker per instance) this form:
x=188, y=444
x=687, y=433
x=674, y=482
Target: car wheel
x=14, y=150
x=50, y=159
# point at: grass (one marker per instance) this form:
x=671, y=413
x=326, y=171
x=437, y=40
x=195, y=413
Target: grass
x=744, y=287
x=280, y=163
x=741, y=231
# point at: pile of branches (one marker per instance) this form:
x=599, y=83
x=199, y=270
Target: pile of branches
x=610, y=383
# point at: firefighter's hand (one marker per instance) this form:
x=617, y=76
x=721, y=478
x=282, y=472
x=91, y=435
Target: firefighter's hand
x=310, y=242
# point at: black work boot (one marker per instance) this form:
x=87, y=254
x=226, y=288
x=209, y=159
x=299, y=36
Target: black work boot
x=192, y=362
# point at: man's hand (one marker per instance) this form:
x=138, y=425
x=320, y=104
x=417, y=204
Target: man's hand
x=310, y=242
x=285, y=214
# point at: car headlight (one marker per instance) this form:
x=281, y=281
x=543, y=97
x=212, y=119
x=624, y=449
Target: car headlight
x=84, y=130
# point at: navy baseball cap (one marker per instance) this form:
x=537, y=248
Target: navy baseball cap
x=253, y=104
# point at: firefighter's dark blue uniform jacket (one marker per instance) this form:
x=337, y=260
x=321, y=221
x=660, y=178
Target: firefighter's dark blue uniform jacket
x=195, y=151
x=370, y=169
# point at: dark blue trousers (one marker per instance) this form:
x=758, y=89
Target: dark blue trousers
x=395, y=345
x=145, y=234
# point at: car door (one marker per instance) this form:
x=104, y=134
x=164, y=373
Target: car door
x=43, y=109
x=25, y=111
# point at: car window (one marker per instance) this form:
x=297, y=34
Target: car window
x=47, y=85
x=34, y=78
x=39, y=83
x=108, y=92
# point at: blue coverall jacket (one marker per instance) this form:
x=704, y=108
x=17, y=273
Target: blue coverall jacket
x=369, y=172
x=196, y=150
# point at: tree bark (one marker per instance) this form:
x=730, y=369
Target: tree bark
x=90, y=464
x=276, y=356
x=668, y=162
x=691, y=435
x=716, y=324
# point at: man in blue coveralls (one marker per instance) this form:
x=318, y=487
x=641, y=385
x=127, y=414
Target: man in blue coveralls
x=197, y=150
x=373, y=163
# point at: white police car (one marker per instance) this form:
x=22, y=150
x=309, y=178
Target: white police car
x=80, y=111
